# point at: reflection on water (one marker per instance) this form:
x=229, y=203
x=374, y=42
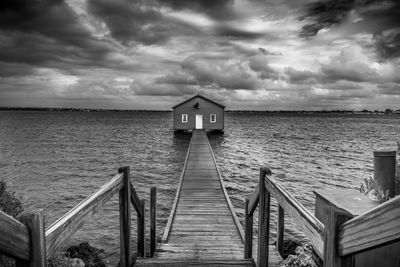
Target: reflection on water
x=56, y=159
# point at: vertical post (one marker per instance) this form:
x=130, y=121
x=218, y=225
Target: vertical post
x=153, y=219
x=331, y=258
x=37, y=240
x=125, y=219
x=280, y=229
x=385, y=170
x=248, y=237
x=263, y=220
x=140, y=231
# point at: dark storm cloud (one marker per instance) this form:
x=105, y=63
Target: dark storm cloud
x=228, y=76
x=180, y=79
x=235, y=33
x=375, y=16
x=390, y=88
x=324, y=14
x=46, y=33
x=51, y=18
x=218, y=9
x=137, y=22
x=260, y=65
x=301, y=76
x=387, y=45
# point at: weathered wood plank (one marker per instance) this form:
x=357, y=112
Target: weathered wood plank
x=153, y=219
x=203, y=224
x=35, y=223
x=255, y=197
x=125, y=219
x=135, y=200
x=280, y=229
x=178, y=191
x=374, y=228
x=263, y=221
x=331, y=257
x=307, y=222
x=248, y=238
x=141, y=231
x=14, y=240
x=66, y=226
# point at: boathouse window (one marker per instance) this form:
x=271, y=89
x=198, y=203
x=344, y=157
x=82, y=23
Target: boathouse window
x=213, y=118
x=184, y=118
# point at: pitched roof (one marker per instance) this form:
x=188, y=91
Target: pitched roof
x=198, y=95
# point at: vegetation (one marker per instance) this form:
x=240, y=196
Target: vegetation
x=11, y=205
x=371, y=188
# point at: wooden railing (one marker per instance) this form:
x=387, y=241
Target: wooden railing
x=30, y=244
x=335, y=243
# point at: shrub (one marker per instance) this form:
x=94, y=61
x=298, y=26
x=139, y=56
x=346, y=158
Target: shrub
x=11, y=205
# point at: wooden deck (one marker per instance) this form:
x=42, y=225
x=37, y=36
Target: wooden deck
x=202, y=229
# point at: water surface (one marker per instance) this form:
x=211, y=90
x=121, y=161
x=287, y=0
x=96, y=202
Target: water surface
x=53, y=160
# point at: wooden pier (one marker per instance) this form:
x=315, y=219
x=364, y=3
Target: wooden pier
x=203, y=228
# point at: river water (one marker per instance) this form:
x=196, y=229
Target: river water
x=53, y=160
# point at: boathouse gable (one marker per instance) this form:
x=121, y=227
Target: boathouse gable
x=198, y=112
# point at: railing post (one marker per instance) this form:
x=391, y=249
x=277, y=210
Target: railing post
x=153, y=219
x=140, y=230
x=263, y=220
x=248, y=237
x=280, y=229
x=37, y=240
x=125, y=219
x=331, y=257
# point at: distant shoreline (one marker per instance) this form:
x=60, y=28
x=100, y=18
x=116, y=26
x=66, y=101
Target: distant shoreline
x=362, y=112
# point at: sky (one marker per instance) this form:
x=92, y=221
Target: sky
x=245, y=54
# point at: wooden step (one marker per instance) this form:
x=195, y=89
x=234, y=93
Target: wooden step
x=209, y=263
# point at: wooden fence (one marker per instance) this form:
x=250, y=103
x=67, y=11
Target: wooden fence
x=27, y=240
x=336, y=243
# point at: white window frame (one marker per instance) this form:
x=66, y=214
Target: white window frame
x=184, y=118
x=215, y=118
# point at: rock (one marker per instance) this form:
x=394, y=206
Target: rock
x=76, y=262
x=303, y=257
x=88, y=254
x=289, y=246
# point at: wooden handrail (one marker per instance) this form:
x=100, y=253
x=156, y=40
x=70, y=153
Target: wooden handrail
x=308, y=223
x=135, y=200
x=253, y=202
x=371, y=229
x=63, y=228
x=27, y=241
x=14, y=240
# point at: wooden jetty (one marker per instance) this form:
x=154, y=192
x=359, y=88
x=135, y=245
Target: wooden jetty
x=203, y=228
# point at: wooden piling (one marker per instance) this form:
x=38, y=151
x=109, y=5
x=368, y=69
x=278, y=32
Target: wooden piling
x=263, y=220
x=280, y=229
x=140, y=230
x=248, y=236
x=385, y=170
x=34, y=221
x=125, y=219
x=153, y=219
x=331, y=258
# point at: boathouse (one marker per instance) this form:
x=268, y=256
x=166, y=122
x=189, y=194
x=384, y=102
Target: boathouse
x=198, y=112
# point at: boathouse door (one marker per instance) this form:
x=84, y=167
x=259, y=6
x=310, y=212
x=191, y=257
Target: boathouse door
x=199, y=121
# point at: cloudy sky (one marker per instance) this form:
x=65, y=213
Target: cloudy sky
x=246, y=54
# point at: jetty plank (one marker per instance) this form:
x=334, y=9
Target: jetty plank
x=203, y=228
